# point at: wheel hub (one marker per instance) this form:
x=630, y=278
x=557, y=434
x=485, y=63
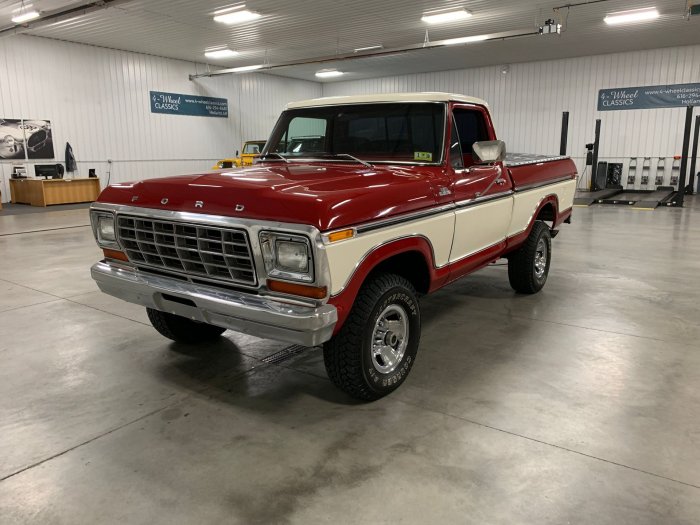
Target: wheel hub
x=389, y=339
x=541, y=255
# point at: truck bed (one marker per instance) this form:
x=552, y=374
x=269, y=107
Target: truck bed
x=530, y=170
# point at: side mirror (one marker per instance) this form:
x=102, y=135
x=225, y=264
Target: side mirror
x=489, y=151
x=236, y=153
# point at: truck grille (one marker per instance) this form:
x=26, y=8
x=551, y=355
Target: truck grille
x=222, y=254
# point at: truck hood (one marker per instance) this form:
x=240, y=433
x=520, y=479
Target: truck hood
x=318, y=194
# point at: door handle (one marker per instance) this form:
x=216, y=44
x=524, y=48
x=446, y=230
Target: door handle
x=500, y=182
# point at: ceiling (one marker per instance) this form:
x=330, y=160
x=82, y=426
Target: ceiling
x=295, y=31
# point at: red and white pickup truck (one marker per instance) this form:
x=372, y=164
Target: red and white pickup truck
x=357, y=206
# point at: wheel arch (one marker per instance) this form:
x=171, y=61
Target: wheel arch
x=411, y=257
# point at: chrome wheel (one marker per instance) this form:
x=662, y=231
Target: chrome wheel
x=389, y=339
x=541, y=255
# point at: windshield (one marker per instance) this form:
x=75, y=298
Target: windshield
x=250, y=148
x=391, y=132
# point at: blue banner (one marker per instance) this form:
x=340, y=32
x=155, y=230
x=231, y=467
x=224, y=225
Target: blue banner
x=649, y=97
x=194, y=105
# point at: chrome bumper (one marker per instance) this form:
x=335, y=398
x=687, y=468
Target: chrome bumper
x=241, y=312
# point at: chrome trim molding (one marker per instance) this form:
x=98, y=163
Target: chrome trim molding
x=410, y=216
x=483, y=199
x=532, y=159
x=257, y=315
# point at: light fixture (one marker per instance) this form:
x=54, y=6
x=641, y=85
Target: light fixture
x=219, y=52
x=505, y=69
x=328, y=73
x=368, y=48
x=25, y=15
x=446, y=16
x=235, y=15
x=243, y=69
x=628, y=17
x=465, y=40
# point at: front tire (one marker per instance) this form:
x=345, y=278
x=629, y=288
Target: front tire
x=181, y=329
x=376, y=347
x=528, y=267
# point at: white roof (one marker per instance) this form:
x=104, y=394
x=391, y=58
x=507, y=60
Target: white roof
x=387, y=97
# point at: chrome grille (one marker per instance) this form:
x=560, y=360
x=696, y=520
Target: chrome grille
x=222, y=254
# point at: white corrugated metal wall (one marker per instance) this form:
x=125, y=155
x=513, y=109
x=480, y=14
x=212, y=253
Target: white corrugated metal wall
x=527, y=103
x=97, y=99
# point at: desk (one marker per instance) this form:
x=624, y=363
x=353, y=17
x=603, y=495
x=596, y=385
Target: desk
x=44, y=192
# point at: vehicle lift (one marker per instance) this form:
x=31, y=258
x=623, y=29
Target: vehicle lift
x=603, y=192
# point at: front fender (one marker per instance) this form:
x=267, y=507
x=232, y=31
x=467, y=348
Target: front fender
x=344, y=300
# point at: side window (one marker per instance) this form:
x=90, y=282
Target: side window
x=471, y=128
x=304, y=135
x=456, y=159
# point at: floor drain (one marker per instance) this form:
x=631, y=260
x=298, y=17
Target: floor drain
x=284, y=354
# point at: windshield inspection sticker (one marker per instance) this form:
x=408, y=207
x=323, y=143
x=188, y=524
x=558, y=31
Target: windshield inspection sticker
x=423, y=155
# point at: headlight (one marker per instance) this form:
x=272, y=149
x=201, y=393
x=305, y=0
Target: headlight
x=287, y=256
x=103, y=228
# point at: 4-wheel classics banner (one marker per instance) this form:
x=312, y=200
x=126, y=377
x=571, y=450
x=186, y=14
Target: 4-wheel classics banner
x=193, y=105
x=649, y=97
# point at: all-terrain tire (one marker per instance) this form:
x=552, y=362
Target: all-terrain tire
x=181, y=329
x=528, y=267
x=386, y=300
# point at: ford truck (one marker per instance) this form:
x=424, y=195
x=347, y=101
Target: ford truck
x=333, y=243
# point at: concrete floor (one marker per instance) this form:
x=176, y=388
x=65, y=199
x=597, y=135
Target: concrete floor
x=577, y=405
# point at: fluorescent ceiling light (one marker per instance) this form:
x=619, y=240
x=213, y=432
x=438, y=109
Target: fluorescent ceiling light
x=243, y=69
x=465, y=40
x=628, y=17
x=368, y=48
x=446, y=17
x=220, y=52
x=25, y=16
x=235, y=15
x=328, y=73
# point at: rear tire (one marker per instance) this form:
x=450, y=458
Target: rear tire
x=181, y=329
x=528, y=267
x=376, y=347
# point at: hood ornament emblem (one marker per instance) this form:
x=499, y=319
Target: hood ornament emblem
x=240, y=207
x=199, y=204
x=164, y=200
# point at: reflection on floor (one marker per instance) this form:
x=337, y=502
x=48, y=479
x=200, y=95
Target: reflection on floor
x=580, y=404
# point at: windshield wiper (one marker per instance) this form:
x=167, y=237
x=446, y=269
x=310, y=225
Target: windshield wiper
x=364, y=163
x=277, y=155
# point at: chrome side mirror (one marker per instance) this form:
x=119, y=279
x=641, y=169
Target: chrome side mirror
x=489, y=151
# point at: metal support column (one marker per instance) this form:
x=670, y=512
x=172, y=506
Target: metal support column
x=684, y=155
x=594, y=168
x=564, y=132
x=693, y=157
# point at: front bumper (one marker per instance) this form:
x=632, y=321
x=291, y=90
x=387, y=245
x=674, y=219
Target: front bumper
x=242, y=312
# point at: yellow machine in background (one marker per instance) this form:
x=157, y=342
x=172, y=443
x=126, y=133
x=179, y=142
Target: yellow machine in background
x=251, y=150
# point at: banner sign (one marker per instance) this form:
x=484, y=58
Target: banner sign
x=649, y=97
x=194, y=105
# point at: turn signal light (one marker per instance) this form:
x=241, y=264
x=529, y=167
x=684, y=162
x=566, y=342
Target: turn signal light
x=341, y=235
x=115, y=254
x=304, y=290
